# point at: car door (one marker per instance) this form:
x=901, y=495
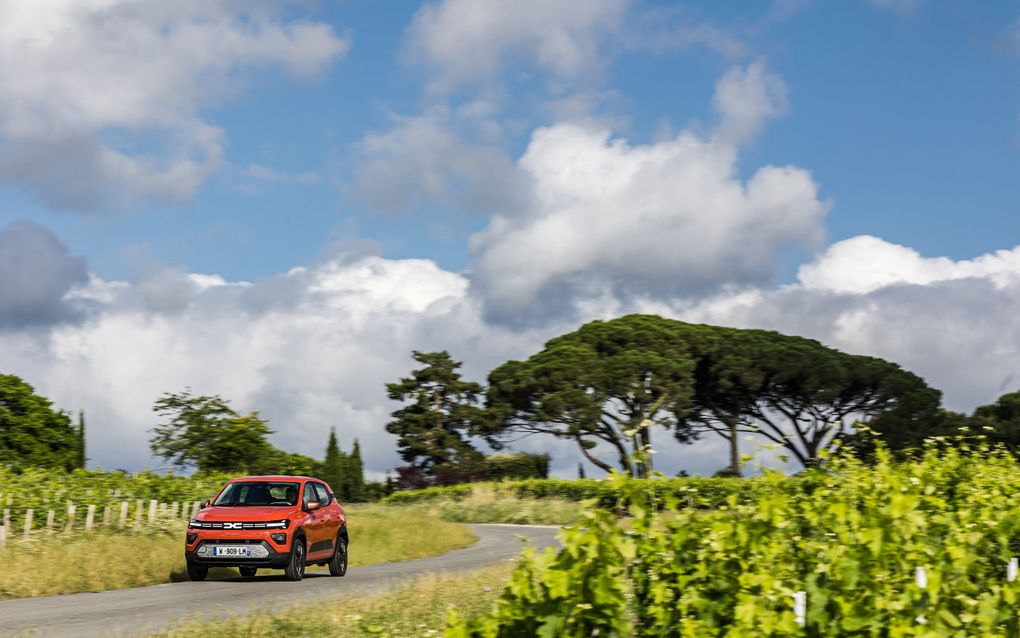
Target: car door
x=330, y=520
x=315, y=525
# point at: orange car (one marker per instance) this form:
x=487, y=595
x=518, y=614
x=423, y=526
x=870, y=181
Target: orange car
x=274, y=522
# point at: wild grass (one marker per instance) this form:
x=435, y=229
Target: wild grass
x=418, y=608
x=64, y=563
x=485, y=504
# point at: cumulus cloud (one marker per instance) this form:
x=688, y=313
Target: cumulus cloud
x=746, y=98
x=104, y=106
x=424, y=160
x=611, y=220
x=467, y=41
x=950, y=321
x=36, y=273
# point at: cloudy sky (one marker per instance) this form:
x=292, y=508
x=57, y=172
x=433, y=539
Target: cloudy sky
x=277, y=201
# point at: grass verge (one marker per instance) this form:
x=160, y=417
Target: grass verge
x=64, y=564
x=418, y=608
x=485, y=504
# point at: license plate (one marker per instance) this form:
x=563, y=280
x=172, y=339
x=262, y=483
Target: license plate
x=231, y=551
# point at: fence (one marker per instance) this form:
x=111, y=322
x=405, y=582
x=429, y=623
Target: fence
x=23, y=524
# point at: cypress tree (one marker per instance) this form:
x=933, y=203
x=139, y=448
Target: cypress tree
x=333, y=467
x=80, y=458
x=580, y=471
x=356, y=473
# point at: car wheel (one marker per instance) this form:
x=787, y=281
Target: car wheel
x=197, y=573
x=247, y=572
x=295, y=569
x=338, y=564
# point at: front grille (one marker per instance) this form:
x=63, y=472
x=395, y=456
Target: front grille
x=237, y=525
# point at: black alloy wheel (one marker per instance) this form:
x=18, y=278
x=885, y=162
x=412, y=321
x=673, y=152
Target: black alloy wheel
x=196, y=572
x=295, y=569
x=338, y=564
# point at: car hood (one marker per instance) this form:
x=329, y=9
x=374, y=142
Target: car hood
x=249, y=513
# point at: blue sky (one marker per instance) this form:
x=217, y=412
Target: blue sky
x=363, y=179
x=908, y=119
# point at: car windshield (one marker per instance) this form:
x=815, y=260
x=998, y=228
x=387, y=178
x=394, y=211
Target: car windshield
x=258, y=493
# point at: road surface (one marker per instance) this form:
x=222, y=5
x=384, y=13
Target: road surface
x=128, y=612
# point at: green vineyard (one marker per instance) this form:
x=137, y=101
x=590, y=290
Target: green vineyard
x=924, y=547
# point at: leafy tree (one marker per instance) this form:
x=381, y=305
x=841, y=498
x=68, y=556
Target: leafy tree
x=516, y=465
x=206, y=433
x=999, y=421
x=606, y=383
x=433, y=430
x=32, y=433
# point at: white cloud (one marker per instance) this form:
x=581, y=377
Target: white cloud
x=472, y=41
x=746, y=98
x=865, y=263
x=424, y=160
x=611, y=220
x=104, y=104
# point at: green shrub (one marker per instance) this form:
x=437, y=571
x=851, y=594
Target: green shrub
x=912, y=548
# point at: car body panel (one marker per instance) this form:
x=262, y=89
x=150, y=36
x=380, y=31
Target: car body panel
x=319, y=527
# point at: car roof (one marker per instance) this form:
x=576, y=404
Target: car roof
x=275, y=477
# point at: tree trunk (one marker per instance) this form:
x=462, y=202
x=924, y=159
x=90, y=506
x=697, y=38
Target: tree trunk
x=734, y=447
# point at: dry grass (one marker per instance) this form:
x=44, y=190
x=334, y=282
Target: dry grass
x=419, y=608
x=62, y=564
x=485, y=505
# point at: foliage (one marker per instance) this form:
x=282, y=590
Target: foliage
x=696, y=492
x=432, y=432
x=516, y=465
x=610, y=382
x=345, y=473
x=206, y=433
x=603, y=383
x=902, y=548
x=32, y=433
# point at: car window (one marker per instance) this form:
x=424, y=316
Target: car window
x=322, y=493
x=310, y=494
x=257, y=493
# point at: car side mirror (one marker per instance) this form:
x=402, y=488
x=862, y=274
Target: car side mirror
x=312, y=505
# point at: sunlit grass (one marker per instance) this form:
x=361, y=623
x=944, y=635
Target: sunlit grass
x=486, y=505
x=418, y=608
x=62, y=563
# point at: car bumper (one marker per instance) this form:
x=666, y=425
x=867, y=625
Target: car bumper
x=277, y=557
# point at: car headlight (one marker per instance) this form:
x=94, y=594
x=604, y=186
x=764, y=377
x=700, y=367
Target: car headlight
x=194, y=523
x=284, y=524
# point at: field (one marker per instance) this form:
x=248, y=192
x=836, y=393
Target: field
x=925, y=547
x=419, y=608
x=61, y=563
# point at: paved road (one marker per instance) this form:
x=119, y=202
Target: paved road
x=127, y=612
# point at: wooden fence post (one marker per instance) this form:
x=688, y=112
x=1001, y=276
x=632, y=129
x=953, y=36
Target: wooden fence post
x=122, y=521
x=90, y=517
x=152, y=512
x=106, y=516
x=3, y=536
x=139, y=504
x=28, y=523
x=174, y=507
x=71, y=510
x=49, y=520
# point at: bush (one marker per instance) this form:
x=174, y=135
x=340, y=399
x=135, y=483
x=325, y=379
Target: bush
x=911, y=548
x=699, y=493
x=516, y=465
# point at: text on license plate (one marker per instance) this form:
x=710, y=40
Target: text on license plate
x=231, y=550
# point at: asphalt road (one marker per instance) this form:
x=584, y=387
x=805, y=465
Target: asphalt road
x=128, y=612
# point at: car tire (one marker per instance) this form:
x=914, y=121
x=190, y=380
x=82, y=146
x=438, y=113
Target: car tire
x=338, y=564
x=196, y=572
x=247, y=572
x=295, y=569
